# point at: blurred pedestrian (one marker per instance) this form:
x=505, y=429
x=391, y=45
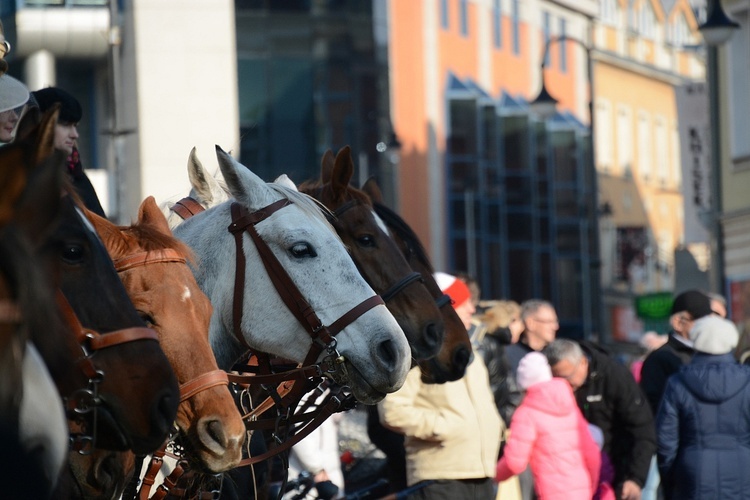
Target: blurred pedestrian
x=452, y=431
x=649, y=342
x=609, y=398
x=549, y=433
x=13, y=98
x=498, y=327
x=66, y=139
x=605, y=489
x=703, y=422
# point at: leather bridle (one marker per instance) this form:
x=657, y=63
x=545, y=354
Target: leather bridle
x=86, y=401
x=401, y=284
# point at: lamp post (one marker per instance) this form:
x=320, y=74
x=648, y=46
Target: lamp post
x=545, y=105
x=716, y=31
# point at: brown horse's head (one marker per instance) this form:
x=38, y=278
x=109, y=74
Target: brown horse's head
x=377, y=257
x=455, y=352
x=153, y=267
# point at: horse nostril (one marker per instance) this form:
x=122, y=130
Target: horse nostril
x=387, y=354
x=215, y=431
x=433, y=335
x=461, y=357
x=164, y=413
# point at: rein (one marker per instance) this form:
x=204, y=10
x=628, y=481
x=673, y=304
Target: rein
x=85, y=401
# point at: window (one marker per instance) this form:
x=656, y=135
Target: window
x=624, y=139
x=679, y=31
x=497, y=24
x=676, y=162
x=661, y=147
x=563, y=47
x=463, y=13
x=516, y=27
x=603, y=134
x=739, y=75
x=547, y=35
x=609, y=11
x=645, y=167
x=647, y=20
x=444, y=19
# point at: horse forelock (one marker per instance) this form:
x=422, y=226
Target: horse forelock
x=308, y=204
x=148, y=239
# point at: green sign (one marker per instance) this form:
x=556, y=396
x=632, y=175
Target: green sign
x=653, y=305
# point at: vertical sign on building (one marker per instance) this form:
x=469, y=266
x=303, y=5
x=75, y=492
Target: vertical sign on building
x=695, y=155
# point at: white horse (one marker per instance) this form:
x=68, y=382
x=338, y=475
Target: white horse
x=376, y=353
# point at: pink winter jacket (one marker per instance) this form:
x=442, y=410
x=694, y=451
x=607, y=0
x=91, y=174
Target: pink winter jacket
x=549, y=432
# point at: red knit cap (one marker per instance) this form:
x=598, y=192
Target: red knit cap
x=453, y=287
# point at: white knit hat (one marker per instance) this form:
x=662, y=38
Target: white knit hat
x=13, y=93
x=533, y=369
x=714, y=335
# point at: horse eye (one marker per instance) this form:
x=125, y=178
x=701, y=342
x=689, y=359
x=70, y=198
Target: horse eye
x=72, y=254
x=147, y=318
x=302, y=249
x=366, y=240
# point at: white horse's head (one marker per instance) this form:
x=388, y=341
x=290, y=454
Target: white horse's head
x=374, y=346
x=208, y=190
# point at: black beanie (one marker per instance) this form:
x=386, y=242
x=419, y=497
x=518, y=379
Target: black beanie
x=70, y=108
x=694, y=302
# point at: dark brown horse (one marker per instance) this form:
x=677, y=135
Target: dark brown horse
x=455, y=352
x=377, y=257
x=33, y=428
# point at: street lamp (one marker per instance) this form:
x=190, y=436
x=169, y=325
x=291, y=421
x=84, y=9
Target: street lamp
x=716, y=31
x=718, y=28
x=545, y=106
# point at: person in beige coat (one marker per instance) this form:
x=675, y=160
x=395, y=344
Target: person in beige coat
x=452, y=431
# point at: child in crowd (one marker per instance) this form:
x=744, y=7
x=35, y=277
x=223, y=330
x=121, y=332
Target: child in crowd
x=605, y=491
x=549, y=432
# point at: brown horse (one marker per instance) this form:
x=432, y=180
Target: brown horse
x=455, y=353
x=153, y=267
x=377, y=257
x=33, y=428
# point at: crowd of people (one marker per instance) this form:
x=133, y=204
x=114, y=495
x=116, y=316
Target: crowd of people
x=542, y=417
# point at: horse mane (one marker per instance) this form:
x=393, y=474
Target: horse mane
x=405, y=232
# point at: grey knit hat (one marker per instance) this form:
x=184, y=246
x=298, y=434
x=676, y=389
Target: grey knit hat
x=13, y=94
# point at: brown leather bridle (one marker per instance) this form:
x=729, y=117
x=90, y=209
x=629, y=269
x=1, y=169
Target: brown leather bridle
x=202, y=382
x=85, y=401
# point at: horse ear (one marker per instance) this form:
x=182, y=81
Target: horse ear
x=149, y=213
x=326, y=166
x=205, y=188
x=244, y=185
x=342, y=173
x=371, y=188
x=284, y=180
x=31, y=118
x=45, y=140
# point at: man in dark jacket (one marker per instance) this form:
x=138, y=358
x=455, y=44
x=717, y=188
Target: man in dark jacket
x=678, y=351
x=703, y=420
x=608, y=397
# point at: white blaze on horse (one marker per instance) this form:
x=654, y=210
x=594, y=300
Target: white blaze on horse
x=373, y=348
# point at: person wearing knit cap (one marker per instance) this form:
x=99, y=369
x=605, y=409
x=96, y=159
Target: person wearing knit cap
x=548, y=432
x=451, y=431
x=678, y=350
x=665, y=361
x=704, y=419
x=66, y=139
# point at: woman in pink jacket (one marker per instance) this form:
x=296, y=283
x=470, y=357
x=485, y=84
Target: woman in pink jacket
x=549, y=432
